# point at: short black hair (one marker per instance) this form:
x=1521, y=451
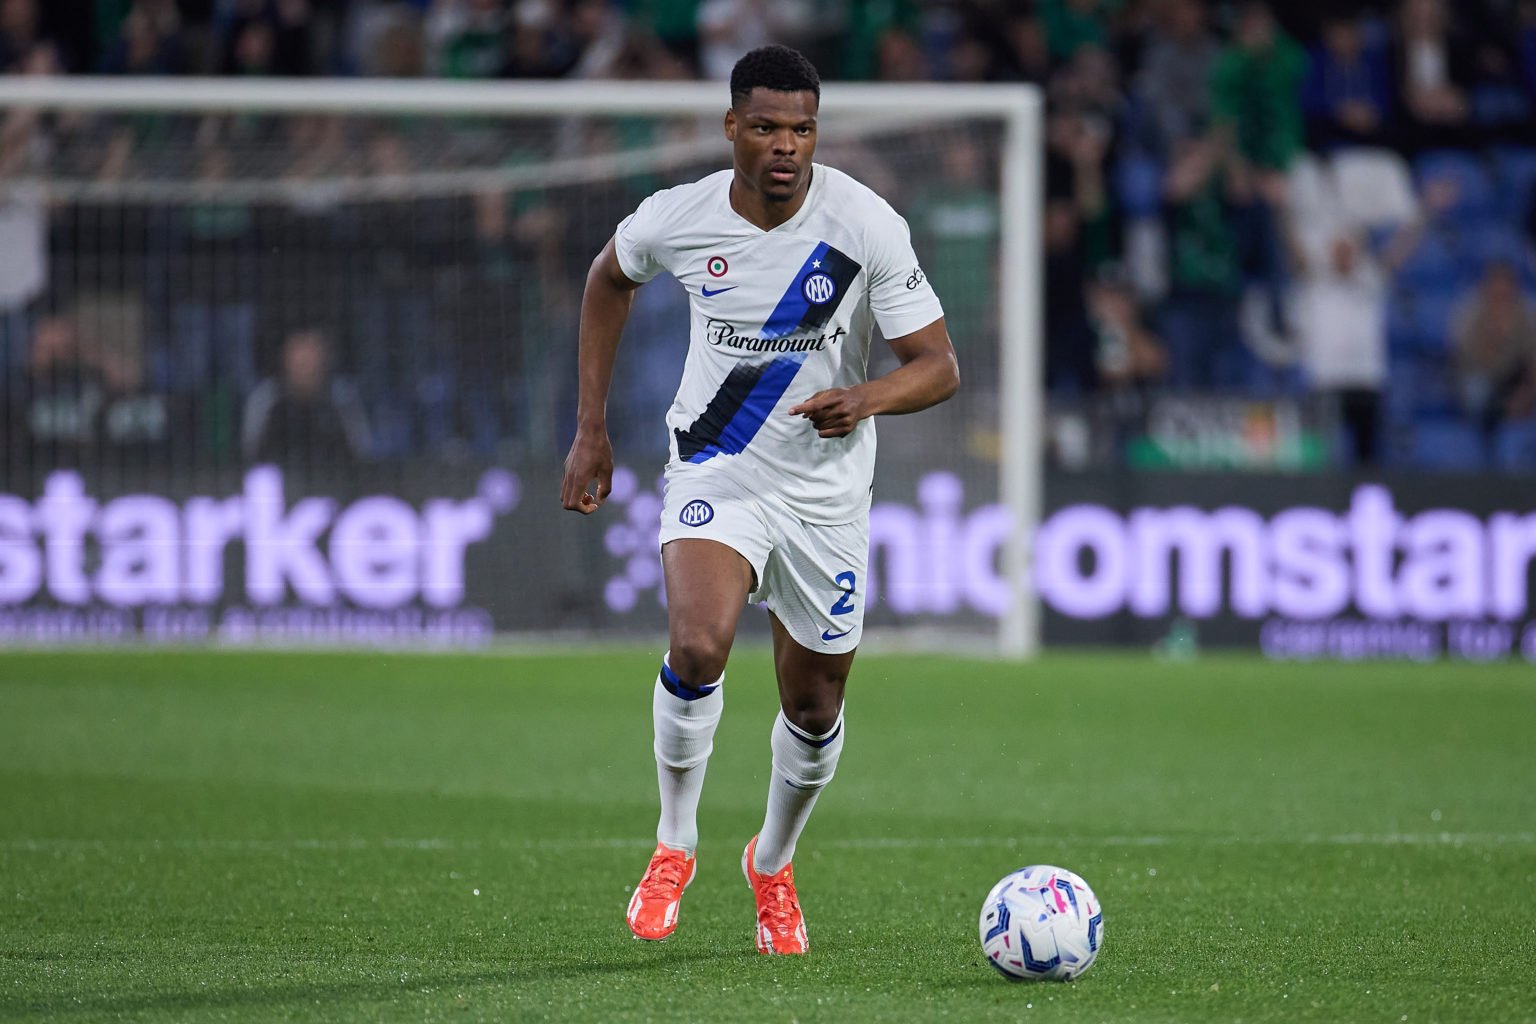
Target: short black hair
x=774, y=67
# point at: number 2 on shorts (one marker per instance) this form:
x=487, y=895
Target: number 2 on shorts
x=848, y=581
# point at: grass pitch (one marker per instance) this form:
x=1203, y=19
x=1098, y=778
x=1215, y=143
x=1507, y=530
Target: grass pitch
x=246, y=837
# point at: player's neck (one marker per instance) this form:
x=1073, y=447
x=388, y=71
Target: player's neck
x=763, y=212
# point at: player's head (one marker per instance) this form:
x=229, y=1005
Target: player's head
x=775, y=93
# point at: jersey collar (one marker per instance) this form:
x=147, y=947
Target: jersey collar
x=812, y=193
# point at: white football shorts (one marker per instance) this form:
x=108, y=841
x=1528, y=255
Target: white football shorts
x=811, y=576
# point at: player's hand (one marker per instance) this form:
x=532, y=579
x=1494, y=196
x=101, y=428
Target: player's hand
x=834, y=412
x=590, y=458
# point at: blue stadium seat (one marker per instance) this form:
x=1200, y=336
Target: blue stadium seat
x=1441, y=259
x=1419, y=319
x=1447, y=444
x=1474, y=183
x=1139, y=185
x=1496, y=241
x=1516, y=170
x=1514, y=446
x=1418, y=386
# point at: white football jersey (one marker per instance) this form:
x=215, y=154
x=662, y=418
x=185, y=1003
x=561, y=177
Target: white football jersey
x=776, y=316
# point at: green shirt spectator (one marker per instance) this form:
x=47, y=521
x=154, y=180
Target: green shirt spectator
x=1072, y=24
x=957, y=240
x=1256, y=90
x=868, y=20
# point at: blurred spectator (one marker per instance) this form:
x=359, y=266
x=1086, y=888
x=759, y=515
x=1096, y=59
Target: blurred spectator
x=19, y=32
x=1076, y=204
x=1494, y=357
x=136, y=422
x=1340, y=307
x=23, y=233
x=1127, y=356
x=212, y=273
x=1173, y=86
x=1525, y=43
x=1026, y=56
x=274, y=37
x=1070, y=24
x=1432, y=70
x=304, y=418
x=899, y=58
x=293, y=42
x=675, y=23
x=1256, y=111
x=1199, y=316
x=542, y=44
x=71, y=26
x=399, y=351
x=956, y=225
x=1347, y=96
x=868, y=22
x=252, y=48
x=467, y=38
x=1089, y=84
x=1256, y=90
x=970, y=60
x=150, y=42
x=60, y=398
x=388, y=41
x=487, y=364
x=728, y=29
x=598, y=33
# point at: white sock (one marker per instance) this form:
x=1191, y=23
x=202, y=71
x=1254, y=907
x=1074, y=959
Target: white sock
x=685, y=717
x=802, y=765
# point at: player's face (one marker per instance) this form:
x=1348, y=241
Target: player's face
x=774, y=137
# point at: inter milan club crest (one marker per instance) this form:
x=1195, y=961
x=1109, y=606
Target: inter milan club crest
x=717, y=266
x=696, y=513
x=818, y=288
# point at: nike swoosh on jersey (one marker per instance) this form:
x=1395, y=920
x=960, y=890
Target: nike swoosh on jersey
x=829, y=635
x=706, y=291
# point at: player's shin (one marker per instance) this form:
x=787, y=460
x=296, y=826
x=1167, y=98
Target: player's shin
x=685, y=715
x=803, y=764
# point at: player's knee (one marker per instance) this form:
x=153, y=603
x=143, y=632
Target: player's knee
x=814, y=714
x=697, y=656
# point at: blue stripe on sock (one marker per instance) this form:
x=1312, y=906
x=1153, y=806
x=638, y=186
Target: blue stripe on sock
x=681, y=690
x=812, y=741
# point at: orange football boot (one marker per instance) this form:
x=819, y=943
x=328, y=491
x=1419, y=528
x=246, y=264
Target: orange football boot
x=653, y=908
x=780, y=924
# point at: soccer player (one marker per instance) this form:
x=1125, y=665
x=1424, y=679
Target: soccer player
x=789, y=267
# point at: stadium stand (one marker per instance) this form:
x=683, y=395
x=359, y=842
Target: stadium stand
x=1193, y=113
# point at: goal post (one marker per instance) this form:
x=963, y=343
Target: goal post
x=1006, y=121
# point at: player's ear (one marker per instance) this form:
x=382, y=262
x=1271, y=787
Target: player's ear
x=730, y=124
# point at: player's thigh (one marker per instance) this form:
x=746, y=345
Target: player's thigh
x=714, y=545
x=707, y=585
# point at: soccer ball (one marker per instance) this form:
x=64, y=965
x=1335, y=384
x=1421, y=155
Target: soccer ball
x=1041, y=922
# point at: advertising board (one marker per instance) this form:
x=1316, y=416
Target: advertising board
x=1298, y=566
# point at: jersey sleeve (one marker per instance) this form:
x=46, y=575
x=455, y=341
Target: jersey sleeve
x=637, y=242
x=900, y=296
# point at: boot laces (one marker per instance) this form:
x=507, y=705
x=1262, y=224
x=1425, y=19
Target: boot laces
x=780, y=907
x=663, y=878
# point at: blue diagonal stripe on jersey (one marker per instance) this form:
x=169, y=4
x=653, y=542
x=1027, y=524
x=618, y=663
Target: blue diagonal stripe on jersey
x=750, y=391
x=743, y=403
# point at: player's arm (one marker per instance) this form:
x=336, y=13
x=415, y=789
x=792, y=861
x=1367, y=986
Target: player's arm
x=928, y=374
x=604, y=308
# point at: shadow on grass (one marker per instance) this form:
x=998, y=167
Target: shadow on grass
x=318, y=994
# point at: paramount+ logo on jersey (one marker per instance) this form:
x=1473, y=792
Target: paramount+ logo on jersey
x=724, y=334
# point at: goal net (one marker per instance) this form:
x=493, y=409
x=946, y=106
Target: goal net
x=295, y=361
